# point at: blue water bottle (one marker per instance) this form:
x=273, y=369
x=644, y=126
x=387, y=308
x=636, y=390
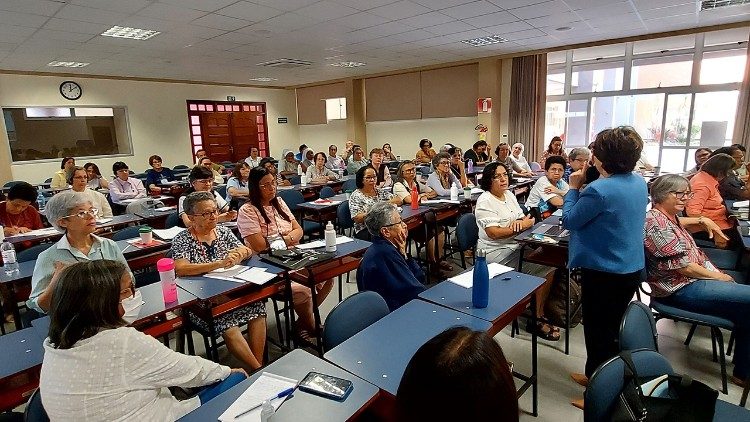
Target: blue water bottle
x=480, y=293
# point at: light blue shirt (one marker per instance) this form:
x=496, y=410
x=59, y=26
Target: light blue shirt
x=433, y=181
x=234, y=182
x=62, y=251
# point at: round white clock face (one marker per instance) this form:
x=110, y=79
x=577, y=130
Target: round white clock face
x=71, y=90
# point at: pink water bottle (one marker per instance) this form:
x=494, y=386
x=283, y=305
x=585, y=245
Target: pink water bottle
x=165, y=266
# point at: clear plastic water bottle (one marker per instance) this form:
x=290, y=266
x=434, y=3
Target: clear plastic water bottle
x=454, y=192
x=470, y=165
x=41, y=201
x=330, y=238
x=299, y=170
x=480, y=291
x=8, y=251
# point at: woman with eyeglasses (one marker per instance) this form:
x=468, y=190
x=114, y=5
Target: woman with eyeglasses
x=77, y=180
x=266, y=223
x=318, y=172
x=707, y=201
x=425, y=153
x=442, y=178
x=96, y=368
x=457, y=165
x=333, y=161
x=124, y=187
x=71, y=213
x=95, y=178
x=555, y=147
x=681, y=275
x=204, y=247
x=202, y=180
x=364, y=197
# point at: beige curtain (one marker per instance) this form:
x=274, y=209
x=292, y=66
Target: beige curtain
x=742, y=120
x=528, y=96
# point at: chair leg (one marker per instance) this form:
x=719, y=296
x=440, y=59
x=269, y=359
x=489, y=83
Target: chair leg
x=722, y=361
x=731, y=344
x=713, y=343
x=745, y=390
x=278, y=322
x=463, y=261
x=690, y=335
x=341, y=291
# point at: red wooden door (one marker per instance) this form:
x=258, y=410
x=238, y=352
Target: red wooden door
x=217, y=136
x=227, y=130
x=244, y=134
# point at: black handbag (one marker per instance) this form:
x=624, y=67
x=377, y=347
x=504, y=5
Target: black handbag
x=685, y=400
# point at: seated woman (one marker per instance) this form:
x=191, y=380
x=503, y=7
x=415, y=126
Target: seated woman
x=732, y=187
x=701, y=155
x=281, y=180
x=442, y=178
x=387, y=153
x=425, y=153
x=60, y=178
x=578, y=158
x=555, y=148
x=477, y=154
x=205, y=247
x=71, y=213
x=157, y=174
x=124, y=187
x=288, y=165
x=457, y=165
x=318, y=172
x=253, y=160
x=207, y=163
x=383, y=172
x=707, y=201
x=308, y=159
x=77, y=180
x=357, y=161
x=503, y=156
x=500, y=219
x=385, y=268
x=265, y=222
x=237, y=188
x=16, y=214
x=518, y=158
x=96, y=368
x=95, y=179
x=201, y=180
x=546, y=196
x=681, y=275
x=333, y=161
x=460, y=374
x=364, y=197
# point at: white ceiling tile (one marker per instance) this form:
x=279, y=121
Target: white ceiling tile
x=428, y=19
x=685, y=9
x=170, y=13
x=202, y=32
x=286, y=5
x=415, y=35
x=89, y=14
x=512, y=4
x=221, y=22
x=470, y=10
x=557, y=20
x=585, y=4
x=129, y=6
x=22, y=19
x=449, y=28
x=390, y=28
x=202, y=5
x=508, y=27
x=145, y=22
x=364, y=4
x=15, y=34
x=655, y=4
x=282, y=23
x=466, y=35
x=74, y=26
x=491, y=20
x=606, y=11
x=249, y=11
x=442, y=4
x=399, y=10
x=358, y=36
x=361, y=20
x=326, y=10
x=37, y=7
x=522, y=35
x=46, y=34
x=540, y=9
x=238, y=38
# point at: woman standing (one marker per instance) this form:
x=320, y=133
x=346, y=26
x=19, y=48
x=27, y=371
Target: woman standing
x=606, y=239
x=95, y=179
x=237, y=189
x=205, y=247
x=319, y=173
x=265, y=223
x=442, y=179
x=362, y=199
x=554, y=148
x=387, y=154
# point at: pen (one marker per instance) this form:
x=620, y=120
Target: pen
x=284, y=393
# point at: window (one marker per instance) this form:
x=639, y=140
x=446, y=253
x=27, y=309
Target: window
x=661, y=72
x=597, y=77
x=724, y=66
x=46, y=133
x=556, y=81
x=335, y=108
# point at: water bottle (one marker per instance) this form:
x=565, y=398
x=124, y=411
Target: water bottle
x=299, y=169
x=470, y=165
x=330, y=236
x=480, y=292
x=41, y=201
x=414, y=196
x=341, y=173
x=10, y=265
x=165, y=266
x=303, y=180
x=454, y=192
x=266, y=411
x=467, y=193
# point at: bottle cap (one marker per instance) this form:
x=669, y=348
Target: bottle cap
x=165, y=264
x=481, y=253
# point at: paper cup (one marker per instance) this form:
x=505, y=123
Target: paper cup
x=146, y=235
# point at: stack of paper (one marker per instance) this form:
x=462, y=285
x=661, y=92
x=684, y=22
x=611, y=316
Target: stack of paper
x=322, y=243
x=476, y=190
x=264, y=388
x=241, y=274
x=741, y=204
x=168, y=234
x=466, y=279
x=40, y=232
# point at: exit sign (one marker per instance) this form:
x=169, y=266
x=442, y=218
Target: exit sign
x=282, y=120
x=230, y=98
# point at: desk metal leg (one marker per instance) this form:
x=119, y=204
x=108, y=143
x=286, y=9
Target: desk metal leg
x=567, y=316
x=316, y=313
x=534, y=375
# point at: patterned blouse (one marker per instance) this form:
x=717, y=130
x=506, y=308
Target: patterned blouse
x=186, y=246
x=361, y=203
x=669, y=247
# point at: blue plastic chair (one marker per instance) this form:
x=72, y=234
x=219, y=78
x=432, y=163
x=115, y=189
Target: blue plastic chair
x=126, y=233
x=351, y=316
x=180, y=167
x=222, y=191
x=344, y=218
x=326, y=192
x=294, y=180
x=34, y=409
x=724, y=259
x=12, y=183
x=172, y=220
x=425, y=170
x=467, y=235
x=349, y=185
x=638, y=328
x=33, y=252
x=293, y=198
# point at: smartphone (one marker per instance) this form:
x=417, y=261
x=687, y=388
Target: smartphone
x=326, y=386
x=745, y=230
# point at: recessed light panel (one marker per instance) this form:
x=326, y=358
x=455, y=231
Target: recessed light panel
x=67, y=64
x=348, y=64
x=478, y=42
x=130, y=33
x=263, y=79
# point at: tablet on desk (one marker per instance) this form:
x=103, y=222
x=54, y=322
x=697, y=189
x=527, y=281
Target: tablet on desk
x=551, y=230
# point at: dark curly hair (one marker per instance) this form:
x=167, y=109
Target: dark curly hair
x=618, y=149
x=489, y=172
x=555, y=159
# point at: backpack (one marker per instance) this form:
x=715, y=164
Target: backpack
x=554, y=309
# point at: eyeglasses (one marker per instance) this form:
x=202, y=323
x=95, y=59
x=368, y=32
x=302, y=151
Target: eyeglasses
x=123, y=171
x=409, y=170
x=207, y=164
x=393, y=224
x=370, y=177
x=556, y=170
x=683, y=195
x=500, y=176
x=128, y=292
x=267, y=185
x=80, y=177
x=93, y=212
x=208, y=214
x=206, y=181
x=581, y=160
x=443, y=163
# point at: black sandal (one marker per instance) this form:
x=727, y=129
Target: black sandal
x=551, y=333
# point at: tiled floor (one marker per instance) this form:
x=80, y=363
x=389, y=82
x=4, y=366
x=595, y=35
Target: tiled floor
x=556, y=389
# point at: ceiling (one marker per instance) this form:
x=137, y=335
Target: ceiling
x=224, y=40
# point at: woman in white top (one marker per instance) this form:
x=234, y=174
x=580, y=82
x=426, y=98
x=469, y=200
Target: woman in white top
x=237, y=184
x=500, y=219
x=518, y=158
x=97, y=369
x=201, y=180
x=334, y=162
x=96, y=181
x=319, y=173
x=308, y=159
x=254, y=159
x=78, y=181
x=442, y=179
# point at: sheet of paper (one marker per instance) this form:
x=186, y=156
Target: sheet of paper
x=476, y=190
x=325, y=202
x=255, y=275
x=128, y=201
x=740, y=204
x=265, y=387
x=40, y=232
x=558, y=213
x=103, y=220
x=321, y=243
x=439, y=201
x=231, y=270
x=466, y=279
x=164, y=208
x=168, y=234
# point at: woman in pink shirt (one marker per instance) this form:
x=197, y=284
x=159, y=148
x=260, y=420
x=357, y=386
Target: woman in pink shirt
x=707, y=201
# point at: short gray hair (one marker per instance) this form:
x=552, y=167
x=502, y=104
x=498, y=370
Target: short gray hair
x=663, y=185
x=379, y=216
x=192, y=200
x=575, y=152
x=69, y=175
x=439, y=156
x=62, y=204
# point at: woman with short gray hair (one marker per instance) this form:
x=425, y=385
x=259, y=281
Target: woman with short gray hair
x=577, y=158
x=681, y=275
x=72, y=213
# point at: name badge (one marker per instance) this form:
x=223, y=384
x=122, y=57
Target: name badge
x=164, y=181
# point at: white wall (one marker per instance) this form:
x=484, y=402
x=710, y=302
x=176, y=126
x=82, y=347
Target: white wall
x=157, y=114
x=320, y=137
x=404, y=135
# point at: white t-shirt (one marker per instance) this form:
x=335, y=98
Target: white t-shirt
x=537, y=192
x=492, y=211
x=221, y=203
x=99, y=202
x=121, y=375
x=521, y=162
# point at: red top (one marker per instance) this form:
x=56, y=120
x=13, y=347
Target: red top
x=707, y=200
x=28, y=218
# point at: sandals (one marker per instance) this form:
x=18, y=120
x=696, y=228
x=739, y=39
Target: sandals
x=545, y=331
x=445, y=266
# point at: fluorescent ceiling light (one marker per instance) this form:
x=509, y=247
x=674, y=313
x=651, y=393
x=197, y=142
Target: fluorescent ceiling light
x=715, y=4
x=478, y=42
x=348, y=64
x=130, y=33
x=263, y=79
x=67, y=64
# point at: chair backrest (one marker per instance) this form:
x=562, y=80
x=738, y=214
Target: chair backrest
x=351, y=316
x=222, y=191
x=467, y=232
x=48, y=180
x=638, y=328
x=295, y=179
x=535, y=166
x=344, y=216
x=327, y=192
x=180, y=167
x=34, y=410
x=606, y=383
x=12, y=183
x=172, y=220
x=292, y=198
x=32, y=253
x=425, y=170
x=126, y=233
x=349, y=185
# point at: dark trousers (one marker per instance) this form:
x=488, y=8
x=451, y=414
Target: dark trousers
x=604, y=296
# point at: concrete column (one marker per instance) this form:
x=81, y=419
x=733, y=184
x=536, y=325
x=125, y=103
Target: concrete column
x=355, y=111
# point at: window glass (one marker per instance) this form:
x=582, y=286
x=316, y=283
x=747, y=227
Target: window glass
x=720, y=67
x=575, y=133
x=660, y=72
x=556, y=81
x=713, y=119
x=662, y=44
x=598, y=77
x=672, y=160
x=599, y=52
x=554, y=122
x=335, y=108
x=727, y=36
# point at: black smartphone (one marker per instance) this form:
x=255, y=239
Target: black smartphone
x=326, y=386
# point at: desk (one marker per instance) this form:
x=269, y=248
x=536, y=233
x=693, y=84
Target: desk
x=508, y=299
x=18, y=286
x=321, y=211
x=156, y=219
x=379, y=353
x=152, y=318
x=19, y=373
x=296, y=364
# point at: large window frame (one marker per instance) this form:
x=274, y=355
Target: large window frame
x=628, y=57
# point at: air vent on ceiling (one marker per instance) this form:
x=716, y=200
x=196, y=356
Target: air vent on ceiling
x=286, y=63
x=715, y=4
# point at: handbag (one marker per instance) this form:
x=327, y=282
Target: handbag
x=684, y=399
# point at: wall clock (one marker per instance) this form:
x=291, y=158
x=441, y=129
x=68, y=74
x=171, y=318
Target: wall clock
x=71, y=90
